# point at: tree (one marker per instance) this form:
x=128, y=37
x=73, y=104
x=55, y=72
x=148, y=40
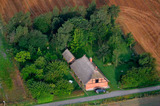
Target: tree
x=145, y=60
x=68, y=13
x=32, y=50
x=130, y=40
x=103, y=51
x=43, y=22
x=40, y=63
x=35, y=39
x=63, y=87
x=50, y=57
x=19, y=19
x=99, y=24
x=32, y=72
x=55, y=71
x=15, y=36
x=56, y=24
x=79, y=40
x=115, y=57
x=39, y=52
x=20, y=32
x=56, y=12
x=63, y=36
x=22, y=56
x=79, y=23
x=90, y=10
x=114, y=10
x=39, y=89
x=139, y=77
x=82, y=11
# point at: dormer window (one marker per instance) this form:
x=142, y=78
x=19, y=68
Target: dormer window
x=97, y=80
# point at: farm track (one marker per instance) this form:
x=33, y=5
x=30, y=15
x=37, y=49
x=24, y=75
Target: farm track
x=141, y=17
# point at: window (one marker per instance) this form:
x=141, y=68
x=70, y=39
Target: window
x=97, y=80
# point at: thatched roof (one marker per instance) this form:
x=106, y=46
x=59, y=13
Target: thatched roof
x=85, y=70
x=67, y=55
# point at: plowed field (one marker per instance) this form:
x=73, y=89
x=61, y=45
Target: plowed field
x=141, y=17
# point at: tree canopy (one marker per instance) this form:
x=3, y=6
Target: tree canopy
x=43, y=22
x=22, y=56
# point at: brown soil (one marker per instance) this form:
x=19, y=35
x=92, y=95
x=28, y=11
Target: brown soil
x=141, y=17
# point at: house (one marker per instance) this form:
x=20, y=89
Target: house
x=86, y=71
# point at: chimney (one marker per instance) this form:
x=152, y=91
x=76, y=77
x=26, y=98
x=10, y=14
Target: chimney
x=90, y=59
x=96, y=69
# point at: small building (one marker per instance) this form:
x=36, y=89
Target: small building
x=68, y=56
x=87, y=72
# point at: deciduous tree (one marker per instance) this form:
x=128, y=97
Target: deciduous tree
x=103, y=51
x=40, y=63
x=19, y=19
x=35, y=39
x=139, y=77
x=56, y=11
x=32, y=72
x=43, y=22
x=55, y=71
x=23, y=56
x=90, y=10
x=63, y=36
x=79, y=40
x=130, y=40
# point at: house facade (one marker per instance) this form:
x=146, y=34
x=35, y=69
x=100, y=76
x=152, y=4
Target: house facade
x=86, y=71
